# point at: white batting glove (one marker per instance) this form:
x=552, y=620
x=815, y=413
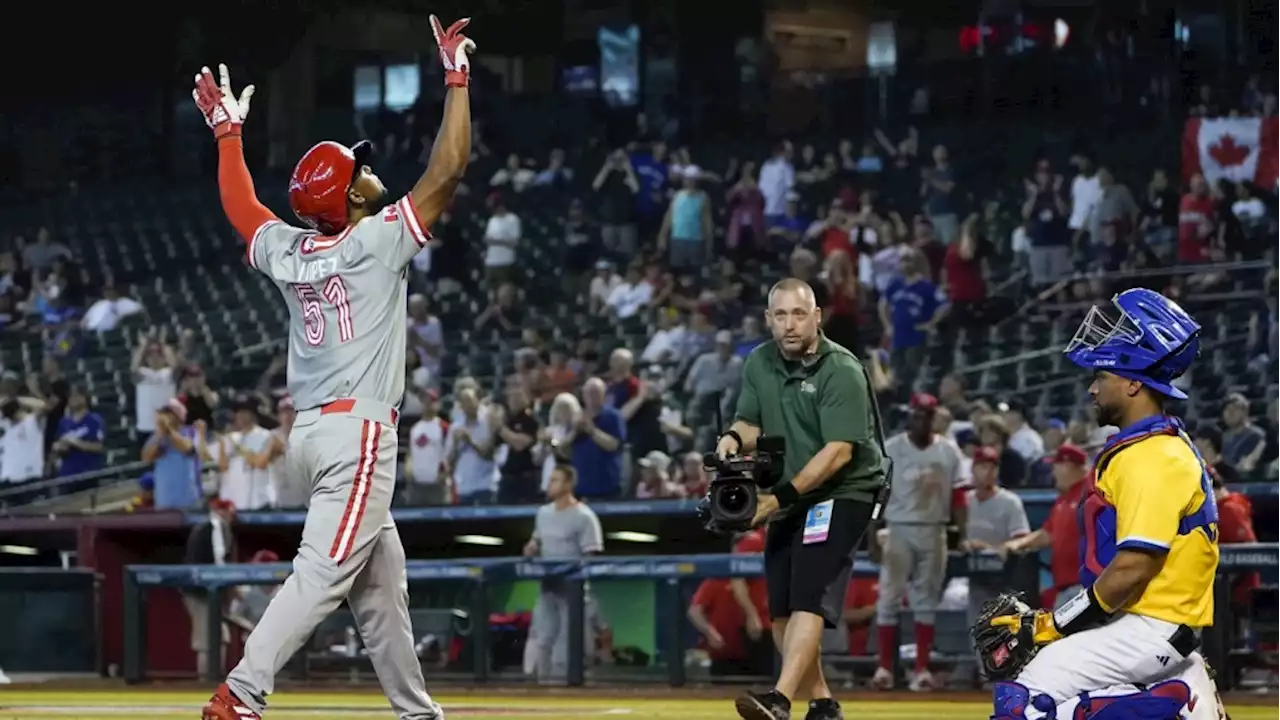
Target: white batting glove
x=222, y=111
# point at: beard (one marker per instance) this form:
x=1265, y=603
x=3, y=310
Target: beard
x=1107, y=415
x=374, y=205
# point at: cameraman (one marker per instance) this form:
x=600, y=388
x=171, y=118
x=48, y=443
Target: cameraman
x=814, y=394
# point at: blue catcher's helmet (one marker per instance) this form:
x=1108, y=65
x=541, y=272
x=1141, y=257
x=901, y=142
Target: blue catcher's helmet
x=1152, y=341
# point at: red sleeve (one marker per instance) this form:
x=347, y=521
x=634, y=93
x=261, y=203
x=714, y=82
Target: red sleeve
x=239, y=199
x=1235, y=525
x=704, y=596
x=752, y=542
x=957, y=497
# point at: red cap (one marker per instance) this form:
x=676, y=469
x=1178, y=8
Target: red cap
x=1069, y=453
x=986, y=453
x=923, y=401
x=220, y=504
x=264, y=556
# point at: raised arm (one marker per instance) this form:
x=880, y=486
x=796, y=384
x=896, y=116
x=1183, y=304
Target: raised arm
x=225, y=115
x=452, y=148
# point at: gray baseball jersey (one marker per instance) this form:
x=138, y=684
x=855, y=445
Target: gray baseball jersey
x=570, y=533
x=923, y=480
x=997, y=519
x=346, y=296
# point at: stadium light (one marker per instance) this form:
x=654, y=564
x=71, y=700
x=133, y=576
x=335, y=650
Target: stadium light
x=18, y=550
x=487, y=540
x=629, y=536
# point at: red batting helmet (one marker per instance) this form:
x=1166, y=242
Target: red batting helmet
x=318, y=188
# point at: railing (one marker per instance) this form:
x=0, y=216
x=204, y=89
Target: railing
x=20, y=498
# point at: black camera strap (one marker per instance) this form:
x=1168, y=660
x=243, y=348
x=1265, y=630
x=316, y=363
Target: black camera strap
x=886, y=462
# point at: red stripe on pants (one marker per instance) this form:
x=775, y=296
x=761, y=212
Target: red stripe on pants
x=354, y=495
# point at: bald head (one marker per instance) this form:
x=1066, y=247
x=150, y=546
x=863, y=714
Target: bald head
x=794, y=317
x=801, y=289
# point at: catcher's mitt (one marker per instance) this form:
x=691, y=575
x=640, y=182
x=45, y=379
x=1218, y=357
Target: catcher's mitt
x=1002, y=652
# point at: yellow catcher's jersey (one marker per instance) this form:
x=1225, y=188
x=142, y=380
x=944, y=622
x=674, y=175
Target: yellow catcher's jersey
x=1152, y=493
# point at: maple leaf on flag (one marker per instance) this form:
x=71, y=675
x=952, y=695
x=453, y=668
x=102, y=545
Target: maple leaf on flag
x=1227, y=152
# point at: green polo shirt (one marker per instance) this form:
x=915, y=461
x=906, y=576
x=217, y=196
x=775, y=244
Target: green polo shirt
x=823, y=398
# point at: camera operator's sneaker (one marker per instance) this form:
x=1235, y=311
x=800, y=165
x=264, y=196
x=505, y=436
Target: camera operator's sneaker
x=825, y=709
x=771, y=705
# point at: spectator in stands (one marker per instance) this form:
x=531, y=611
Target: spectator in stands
x=777, y=178
x=601, y=287
x=629, y=297
x=502, y=315
x=1044, y=212
x=579, y=245
x=994, y=432
x=107, y=312
x=1197, y=227
x=1208, y=440
x=938, y=196
x=211, y=542
x=155, y=380
x=1115, y=214
x=650, y=167
x=555, y=438
x=44, y=252
x=426, y=334
x=52, y=387
x=22, y=445
x=273, y=378
x=172, y=451
x=80, y=436
x=555, y=174
x=195, y=393
x=951, y=395
x=502, y=234
x=1086, y=190
x=749, y=337
x=909, y=310
x=1023, y=439
x=425, y=481
x=560, y=377
x=643, y=413
x=712, y=381
x=513, y=175
x=520, y=481
x=787, y=229
x=564, y=529
x=746, y=228
x=665, y=343
x=249, y=453
x=686, y=231
x=1061, y=530
x=616, y=185
x=292, y=489
x=655, y=478
x=964, y=277
x=470, y=448
x=1242, y=441
x=597, y=443
x=1158, y=216
x=841, y=316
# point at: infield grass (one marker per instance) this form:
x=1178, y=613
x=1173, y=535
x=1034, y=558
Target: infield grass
x=145, y=704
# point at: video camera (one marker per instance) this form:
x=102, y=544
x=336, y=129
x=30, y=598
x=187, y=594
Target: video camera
x=730, y=504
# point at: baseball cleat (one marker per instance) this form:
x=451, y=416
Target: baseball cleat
x=226, y=706
x=882, y=680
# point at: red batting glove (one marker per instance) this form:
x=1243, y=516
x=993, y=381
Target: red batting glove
x=222, y=111
x=454, y=47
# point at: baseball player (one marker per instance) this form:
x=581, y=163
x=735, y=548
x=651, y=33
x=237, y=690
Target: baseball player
x=927, y=469
x=343, y=280
x=1124, y=647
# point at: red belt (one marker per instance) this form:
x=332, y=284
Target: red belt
x=346, y=405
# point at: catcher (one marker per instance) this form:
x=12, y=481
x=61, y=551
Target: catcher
x=1124, y=648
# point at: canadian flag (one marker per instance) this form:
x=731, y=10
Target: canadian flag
x=1233, y=148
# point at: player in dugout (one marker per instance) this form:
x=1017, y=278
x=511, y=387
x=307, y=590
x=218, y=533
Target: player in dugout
x=816, y=395
x=1124, y=647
